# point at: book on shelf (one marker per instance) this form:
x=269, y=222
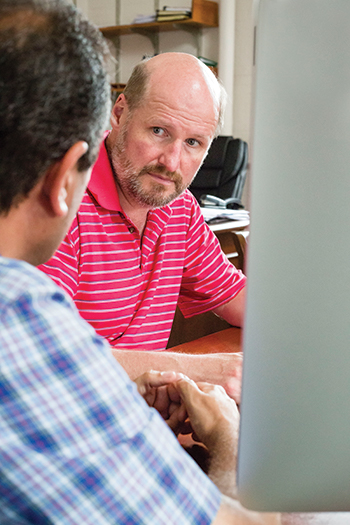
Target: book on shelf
x=171, y=18
x=174, y=8
x=172, y=12
x=144, y=19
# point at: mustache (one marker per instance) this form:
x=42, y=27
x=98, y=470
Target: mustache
x=161, y=170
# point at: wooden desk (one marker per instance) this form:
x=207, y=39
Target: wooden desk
x=229, y=340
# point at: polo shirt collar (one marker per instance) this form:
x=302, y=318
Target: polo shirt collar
x=102, y=184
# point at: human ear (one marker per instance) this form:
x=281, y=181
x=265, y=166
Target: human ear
x=60, y=180
x=62, y=196
x=118, y=109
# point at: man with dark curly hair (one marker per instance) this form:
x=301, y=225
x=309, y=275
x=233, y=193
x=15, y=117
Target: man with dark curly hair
x=78, y=443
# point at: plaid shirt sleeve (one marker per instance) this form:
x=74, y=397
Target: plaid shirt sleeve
x=78, y=445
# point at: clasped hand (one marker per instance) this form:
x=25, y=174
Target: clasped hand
x=159, y=391
x=203, y=409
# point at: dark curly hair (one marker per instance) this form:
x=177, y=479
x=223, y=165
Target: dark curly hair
x=54, y=91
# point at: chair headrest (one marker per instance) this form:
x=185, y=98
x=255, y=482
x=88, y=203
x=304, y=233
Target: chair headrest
x=218, y=151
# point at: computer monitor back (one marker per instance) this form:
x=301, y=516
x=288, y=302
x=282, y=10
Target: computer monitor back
x=294, y=449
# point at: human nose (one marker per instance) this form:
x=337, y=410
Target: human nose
x=171, y=156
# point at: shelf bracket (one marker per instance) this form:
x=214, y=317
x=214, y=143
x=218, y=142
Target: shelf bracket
x=153, y=36
x=115, y=51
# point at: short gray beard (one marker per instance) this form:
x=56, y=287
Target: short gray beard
x=131, y=182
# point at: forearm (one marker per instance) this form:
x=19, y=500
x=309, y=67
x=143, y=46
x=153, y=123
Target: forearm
x=222, y=471
x=223, y=456
x=213, y=368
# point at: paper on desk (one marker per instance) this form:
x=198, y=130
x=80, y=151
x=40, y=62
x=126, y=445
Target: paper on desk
x=217, y=214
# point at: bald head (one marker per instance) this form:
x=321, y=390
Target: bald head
x=179, y=73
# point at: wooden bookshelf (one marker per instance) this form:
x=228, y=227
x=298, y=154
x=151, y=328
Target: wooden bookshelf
x=204, y=14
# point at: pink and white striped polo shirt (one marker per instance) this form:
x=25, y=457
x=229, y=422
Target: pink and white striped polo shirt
x=128, y=290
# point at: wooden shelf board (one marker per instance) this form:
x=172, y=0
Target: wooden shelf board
x=152, y=27
x=204, y=14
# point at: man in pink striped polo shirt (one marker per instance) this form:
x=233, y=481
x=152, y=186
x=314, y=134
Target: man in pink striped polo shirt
x=139, y=246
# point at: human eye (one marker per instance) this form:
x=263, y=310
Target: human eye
x=158, y=131
x=193, y=142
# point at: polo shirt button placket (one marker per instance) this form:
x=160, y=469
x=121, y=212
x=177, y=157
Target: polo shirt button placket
x=132, y=230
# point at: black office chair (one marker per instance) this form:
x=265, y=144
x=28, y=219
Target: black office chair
x=223, y=172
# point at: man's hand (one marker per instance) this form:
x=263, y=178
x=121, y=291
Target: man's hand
x=214, y=418
x=212, y=413
x=157, y=388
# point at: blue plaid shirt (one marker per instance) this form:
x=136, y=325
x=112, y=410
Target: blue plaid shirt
x=78, y=445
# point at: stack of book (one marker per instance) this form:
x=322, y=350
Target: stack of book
x=144, y=19
x=171, y=14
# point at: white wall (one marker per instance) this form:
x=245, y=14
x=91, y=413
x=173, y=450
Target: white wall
x=243, y=74
x=243, y=79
